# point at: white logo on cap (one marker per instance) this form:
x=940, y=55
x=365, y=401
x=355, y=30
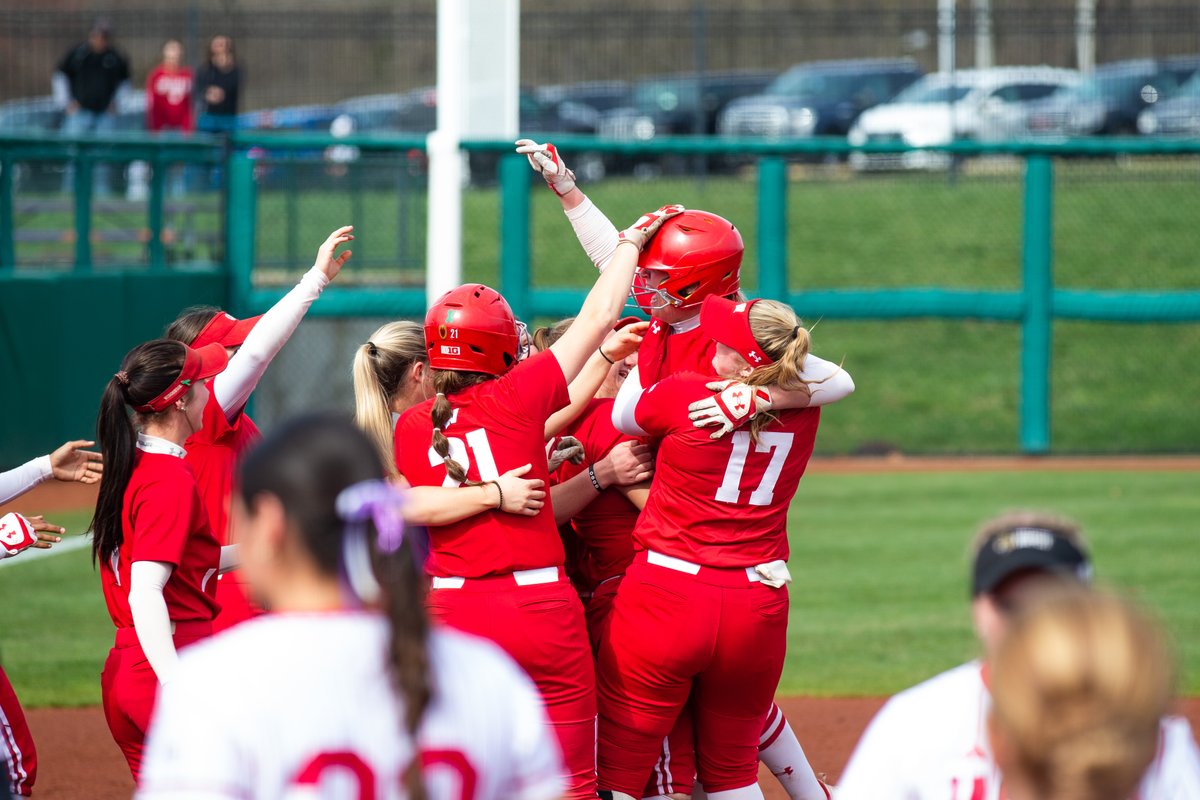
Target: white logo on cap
x=739, y=308
x=1024, y=538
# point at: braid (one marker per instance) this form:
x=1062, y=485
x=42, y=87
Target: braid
x=448, y=382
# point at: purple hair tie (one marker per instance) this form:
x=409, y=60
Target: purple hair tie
x=377, y=501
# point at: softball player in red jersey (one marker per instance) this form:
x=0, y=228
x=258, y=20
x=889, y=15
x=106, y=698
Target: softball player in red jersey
x=501, y=575
x=391, y=708
x=16, y=747
x=158, y=556
x=702, y=612
x=227, y=433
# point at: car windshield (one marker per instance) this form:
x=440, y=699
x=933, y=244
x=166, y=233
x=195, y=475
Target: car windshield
x=666, y=95
x=1189, y=89
x=810, y=83
x=929, y=92
x=1100, y=87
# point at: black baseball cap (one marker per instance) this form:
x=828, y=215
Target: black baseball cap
x=1024, y=549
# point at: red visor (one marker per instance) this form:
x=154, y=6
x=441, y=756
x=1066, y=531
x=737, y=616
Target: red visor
x=728, y=322
x=625, y=322
x=226, y=330
x=199, y=363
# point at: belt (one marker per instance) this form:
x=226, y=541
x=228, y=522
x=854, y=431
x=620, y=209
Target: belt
x=772, y=573
x=520, y=577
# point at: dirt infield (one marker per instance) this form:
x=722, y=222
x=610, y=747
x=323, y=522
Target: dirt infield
x=77, y=757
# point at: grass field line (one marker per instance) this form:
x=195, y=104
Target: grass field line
x=31, y=555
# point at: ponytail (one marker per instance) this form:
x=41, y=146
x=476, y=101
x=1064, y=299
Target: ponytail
x=380, y=367
x=785, y=340
x=448, y=382
x=146, y=371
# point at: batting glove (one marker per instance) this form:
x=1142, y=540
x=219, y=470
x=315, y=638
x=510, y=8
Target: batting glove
x=732, y=405
x=546, y=161
x=568, y=448
x=16, y=534
x=647, y=225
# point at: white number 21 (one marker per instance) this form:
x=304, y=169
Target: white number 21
x=730, y=490
x=477, y=443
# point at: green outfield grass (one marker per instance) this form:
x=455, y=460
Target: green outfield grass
x=879, y=600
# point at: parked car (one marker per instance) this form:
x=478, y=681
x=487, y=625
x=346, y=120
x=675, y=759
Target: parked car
x=984, y=105
x=580, y=105
x=1109, y=101
x=1175, y=115
x=820, y=98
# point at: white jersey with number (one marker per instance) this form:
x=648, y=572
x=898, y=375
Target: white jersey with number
x=298, y=706
x=930, y=743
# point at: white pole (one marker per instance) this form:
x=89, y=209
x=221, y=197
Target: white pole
x=1085, y=35
x=946, y=35
x=443, y=232
x=984, y=56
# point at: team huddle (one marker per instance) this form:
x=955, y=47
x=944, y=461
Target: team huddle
x=536, y=565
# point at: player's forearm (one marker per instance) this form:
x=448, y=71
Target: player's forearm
x=443, y=505
x=582, y=391
x=20, y=480
x=234, y=386
x=595, y=232
x=571, y=496
x=151, y=620
x=825, y=381
x=636, y=494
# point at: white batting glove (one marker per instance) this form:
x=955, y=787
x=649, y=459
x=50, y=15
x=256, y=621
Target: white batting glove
x=648, y=224
x=732, y=405
x=546, y=161
x=16, y=534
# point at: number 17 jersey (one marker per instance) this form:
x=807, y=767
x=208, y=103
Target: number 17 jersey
x=722, y=502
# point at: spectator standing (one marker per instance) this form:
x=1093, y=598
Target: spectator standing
x=169, y=100
x=218, y=85
x=87, y=83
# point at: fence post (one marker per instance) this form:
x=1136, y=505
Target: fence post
x=158, y=168
x=514, y=232
x=241, y=217
x=83, y=210
x=1038, y=287
x=8, y=253
x=772, y=228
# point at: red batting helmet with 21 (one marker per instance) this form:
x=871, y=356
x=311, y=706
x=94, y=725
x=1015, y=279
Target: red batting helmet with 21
x=471, y=329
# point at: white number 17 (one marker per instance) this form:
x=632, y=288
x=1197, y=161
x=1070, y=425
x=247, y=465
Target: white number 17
x=730, y=490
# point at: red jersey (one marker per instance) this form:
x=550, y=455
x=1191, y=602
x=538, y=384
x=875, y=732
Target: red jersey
x=169, y=100
x=723, y=502
x=495, y=426
x=665, y=352
x=164, y=520
x=213, y=453
x=605, y=525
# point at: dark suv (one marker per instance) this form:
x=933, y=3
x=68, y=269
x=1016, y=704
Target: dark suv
x=819, y=98
x=1109, y=101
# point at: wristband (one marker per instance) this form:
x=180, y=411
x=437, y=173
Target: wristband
x=600, y=350
x=499, y=491
x=595, y=480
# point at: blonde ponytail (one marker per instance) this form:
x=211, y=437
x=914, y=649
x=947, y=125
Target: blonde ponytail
x=380, y=367
x=785, y=340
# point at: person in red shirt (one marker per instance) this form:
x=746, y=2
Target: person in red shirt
x=169, y=92
x=227, y=431
x=702, y=611
x=158, y=556
x=501, y=575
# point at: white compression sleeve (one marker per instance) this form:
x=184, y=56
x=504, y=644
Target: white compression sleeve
x=150, y=618
x=20, y=480
x=234, y=386
x=594, y=231
x=835, y=382
x=624, y=413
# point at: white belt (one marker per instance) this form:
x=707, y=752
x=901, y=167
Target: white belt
x=521, y=577
x=773, y=573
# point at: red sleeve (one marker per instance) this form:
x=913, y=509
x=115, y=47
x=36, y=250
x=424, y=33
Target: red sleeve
x=663, y=407
x=162, y=515
x=216, y=426
x=537, y=386
x=597, y=433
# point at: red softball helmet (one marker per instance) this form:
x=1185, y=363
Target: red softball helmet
x=701, y=253
x=471, y=329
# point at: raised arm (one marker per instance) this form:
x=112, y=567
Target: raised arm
x=583, y=389
x=70, y=462
x=234, y=386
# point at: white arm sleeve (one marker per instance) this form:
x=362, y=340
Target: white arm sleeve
x=835, y=382
x=150, y=618
x=60, y=89
x=20, y=480
x=624, y=413
x=595, y=232
x=234, y=386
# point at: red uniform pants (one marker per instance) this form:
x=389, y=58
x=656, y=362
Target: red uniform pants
x=128, y=687
x=16, y=747
x=716, y=635
x=538, y=622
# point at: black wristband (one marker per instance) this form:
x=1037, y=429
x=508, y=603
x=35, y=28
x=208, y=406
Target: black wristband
x=595, y=480
x=499, y=491
x=600, y=350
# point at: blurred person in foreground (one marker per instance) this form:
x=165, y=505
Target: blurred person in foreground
x=931, y=741
x=87, y=84
x=1080, y=682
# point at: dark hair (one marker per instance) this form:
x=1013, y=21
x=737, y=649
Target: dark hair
x=307, y=463
x=446, y=382
x=146, y=372
x=190, y=322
